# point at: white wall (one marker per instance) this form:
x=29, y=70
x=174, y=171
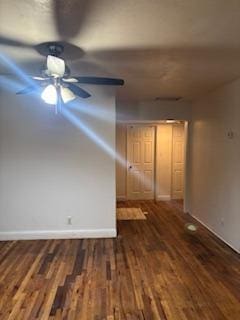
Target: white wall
x=49, y=170
x=121, y=149
x=153, y=110
x=213, y=194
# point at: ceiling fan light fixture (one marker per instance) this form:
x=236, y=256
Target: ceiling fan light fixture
x=49, y=94
x=66, y=94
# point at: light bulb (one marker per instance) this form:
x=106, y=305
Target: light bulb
x=66, y=94
x=49, y=94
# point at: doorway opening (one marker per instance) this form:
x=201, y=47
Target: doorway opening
x=155, y=161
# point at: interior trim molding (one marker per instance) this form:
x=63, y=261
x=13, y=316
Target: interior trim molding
x=57, y=234
x=121, y=198
x=216, y=234
x=165, y=197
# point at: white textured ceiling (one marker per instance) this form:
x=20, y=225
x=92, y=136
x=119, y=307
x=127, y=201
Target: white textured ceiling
x=160, y=47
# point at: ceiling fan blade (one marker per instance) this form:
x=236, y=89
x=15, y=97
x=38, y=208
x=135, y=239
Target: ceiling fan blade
x=27, y=90
x=40, y=78
x=78, y=91
x=55, y=66
x=70, y=16
x=70, y=80
x=13, y=42
x=100, y=81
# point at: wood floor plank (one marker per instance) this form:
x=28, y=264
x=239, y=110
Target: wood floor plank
x=130, y=214
x=154, y=269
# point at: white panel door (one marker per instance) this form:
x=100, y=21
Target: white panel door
x=177, y=161
x=140, y=156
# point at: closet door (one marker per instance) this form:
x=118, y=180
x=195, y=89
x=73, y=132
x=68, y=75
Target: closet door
x=177, y=161
x=140, y=160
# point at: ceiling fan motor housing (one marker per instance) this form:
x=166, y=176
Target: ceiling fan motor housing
x=55, y=49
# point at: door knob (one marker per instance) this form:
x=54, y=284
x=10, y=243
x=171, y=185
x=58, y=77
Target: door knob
x=130, y=167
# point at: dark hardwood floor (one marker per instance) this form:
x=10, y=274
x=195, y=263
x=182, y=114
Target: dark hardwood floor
x=153, y=270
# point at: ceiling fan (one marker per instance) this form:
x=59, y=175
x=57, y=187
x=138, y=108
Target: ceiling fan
x=59, y=86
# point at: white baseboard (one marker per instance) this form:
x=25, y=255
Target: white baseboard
x=57, y=234
x=215, y=233
x=121, y=198
x=166, y=197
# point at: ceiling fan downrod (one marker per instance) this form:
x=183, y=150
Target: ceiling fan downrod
x=55, y=49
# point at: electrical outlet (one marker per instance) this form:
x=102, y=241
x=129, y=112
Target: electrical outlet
x=222, y=221
x=69, y=220
x=230, y=134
